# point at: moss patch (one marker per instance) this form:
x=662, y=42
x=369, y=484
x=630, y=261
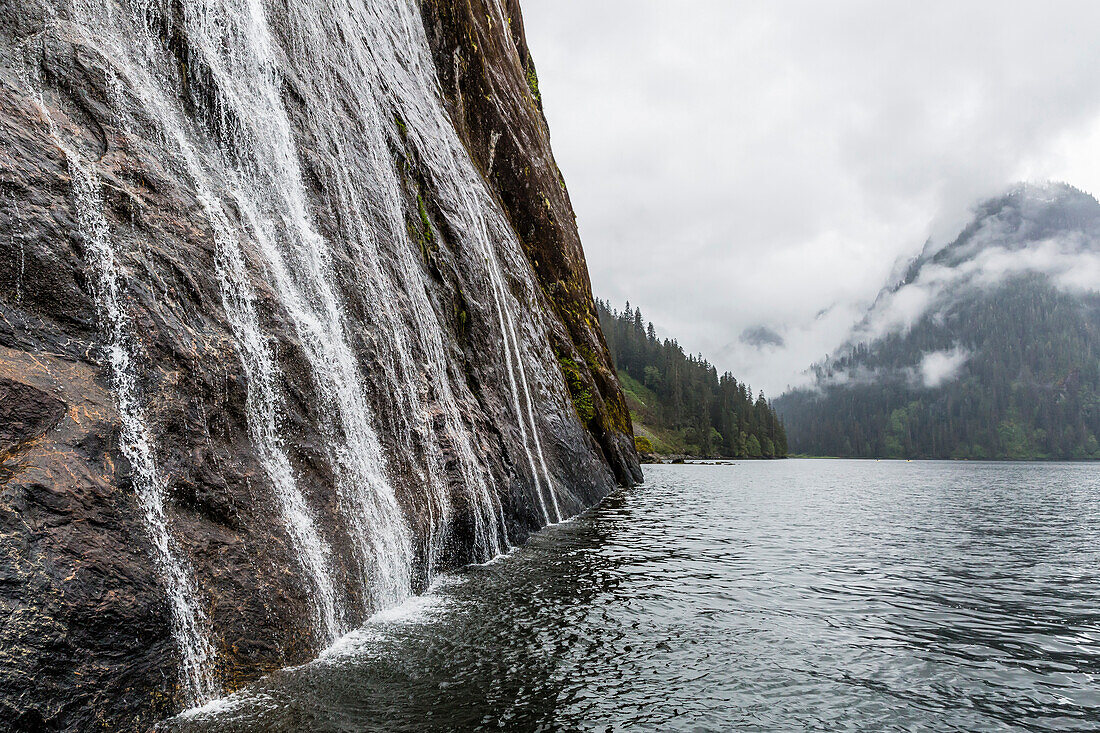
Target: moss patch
x=423, y=211
x=420, y=231
x=578, y=391
x=533, y=82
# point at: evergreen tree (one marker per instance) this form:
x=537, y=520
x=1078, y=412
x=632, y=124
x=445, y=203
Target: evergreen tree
x=679, y=403
x=1029, y=388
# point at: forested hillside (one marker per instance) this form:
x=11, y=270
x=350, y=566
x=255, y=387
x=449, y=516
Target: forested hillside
x=1003, y=362
x=679, y=403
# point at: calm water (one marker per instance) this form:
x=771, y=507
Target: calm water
x=783, y=596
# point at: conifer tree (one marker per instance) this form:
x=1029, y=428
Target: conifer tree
x=683, y=398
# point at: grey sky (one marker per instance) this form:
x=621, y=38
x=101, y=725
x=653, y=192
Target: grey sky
x=737, y=165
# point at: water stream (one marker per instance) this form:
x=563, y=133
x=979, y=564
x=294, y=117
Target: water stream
x=219, y=105
x=189, y=624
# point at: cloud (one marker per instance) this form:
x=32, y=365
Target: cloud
x=939, y=367
x=737, y=164
x=934, y=369
x=761, y=336
x=856, y=376
x=1067, y=261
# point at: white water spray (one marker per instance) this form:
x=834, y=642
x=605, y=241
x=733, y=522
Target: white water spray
x=189, y=624
x=378, y=69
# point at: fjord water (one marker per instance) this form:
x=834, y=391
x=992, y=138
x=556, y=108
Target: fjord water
x=793, y=595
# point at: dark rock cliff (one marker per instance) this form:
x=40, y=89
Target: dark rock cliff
x=257, y=274
x=490, y=84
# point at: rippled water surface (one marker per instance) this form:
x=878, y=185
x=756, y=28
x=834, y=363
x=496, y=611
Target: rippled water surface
x=772, y=596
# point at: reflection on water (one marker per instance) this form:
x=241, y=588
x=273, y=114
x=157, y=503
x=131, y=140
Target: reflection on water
x=794, y=595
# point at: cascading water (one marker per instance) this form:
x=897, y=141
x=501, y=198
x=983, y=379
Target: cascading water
x=401, y=49
x=232, y=41
x=219, y=106
x=190, y=626
x=238, y=299
x=390, y=54
x=409, y=286
x=490, y=539
x=264, y=406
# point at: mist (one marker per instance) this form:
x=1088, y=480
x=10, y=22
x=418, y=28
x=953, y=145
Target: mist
x=746, y=166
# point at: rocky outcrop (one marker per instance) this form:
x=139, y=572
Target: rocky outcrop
x=253, y=283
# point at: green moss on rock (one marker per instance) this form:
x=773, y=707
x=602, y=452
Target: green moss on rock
x=581, y=394
x=533, y=82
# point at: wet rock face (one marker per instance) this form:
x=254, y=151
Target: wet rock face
x=25, y=414
x=490, y=84
x=91, y=638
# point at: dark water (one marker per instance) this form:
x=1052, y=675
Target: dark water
x=796, y=595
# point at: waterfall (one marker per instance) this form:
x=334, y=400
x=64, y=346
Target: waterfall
x=390, y=53
x=410, y=287
x=264, y=397
x=490, y=538
x=369, y=64
x=189, y=624
x=266, y=186
x=264, y=406
x=414, y=90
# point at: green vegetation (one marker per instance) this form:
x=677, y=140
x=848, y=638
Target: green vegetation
x=1004, y=362
x=422, y=209
x=421, y=231
x=581, y=394
x=533, y=82
x=1029, y=387
x=678, y=403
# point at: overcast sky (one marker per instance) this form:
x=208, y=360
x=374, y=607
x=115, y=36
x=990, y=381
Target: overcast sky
x=735, y=165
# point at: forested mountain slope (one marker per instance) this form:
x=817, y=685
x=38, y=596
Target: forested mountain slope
x=987, y=349
x=679, y=403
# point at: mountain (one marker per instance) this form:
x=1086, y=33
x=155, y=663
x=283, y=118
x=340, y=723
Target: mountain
x=679, y=404
x=294, y=316
x=987, y=348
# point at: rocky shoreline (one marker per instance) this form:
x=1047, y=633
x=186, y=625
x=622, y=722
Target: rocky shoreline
x=677, y=458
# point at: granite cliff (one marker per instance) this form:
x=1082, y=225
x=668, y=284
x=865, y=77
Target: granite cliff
x=293, y=316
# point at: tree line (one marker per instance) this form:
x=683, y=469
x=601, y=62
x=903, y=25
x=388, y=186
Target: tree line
x=679, y=403
x=1029, y=389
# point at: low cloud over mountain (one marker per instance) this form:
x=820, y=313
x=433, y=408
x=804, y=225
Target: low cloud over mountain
x=761, y=336
x=988, y=347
